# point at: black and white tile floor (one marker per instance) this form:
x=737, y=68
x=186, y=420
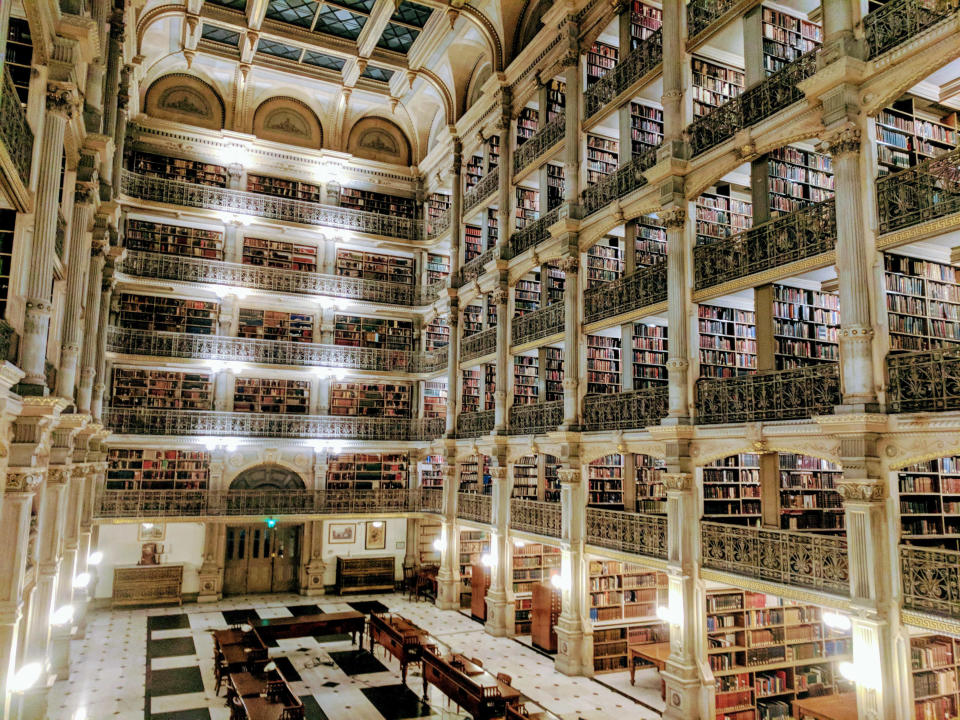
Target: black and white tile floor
x=157, y=664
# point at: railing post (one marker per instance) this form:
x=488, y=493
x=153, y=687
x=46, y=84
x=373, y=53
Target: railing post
x=448, y=576
x=501, y=620
x=574, y=636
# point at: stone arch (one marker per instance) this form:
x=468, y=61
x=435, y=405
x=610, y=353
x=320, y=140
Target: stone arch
x=480, y=75
x=376, y=138
x=531, y=22
x=187, y=99
x=287, y=120
x=268, y=477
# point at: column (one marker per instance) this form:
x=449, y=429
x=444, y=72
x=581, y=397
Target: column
x=448, y=576
x=114, y=57
x=456, y=207
x=678, y=294
x=453, y=370
x=574, y=636
x=674, y=39
x=91, y=334
x=14, y=537
x=119, y=127
x=570, y=265
x=626, y=357
x=571, y=77
x=838, y=23
x=623, y=9
x=505, y=168
x=211, y=570
x=60, y=107
x=76, y=489
x=100, y=384
x=315, y=567
x=500, y=297
x=501, y=619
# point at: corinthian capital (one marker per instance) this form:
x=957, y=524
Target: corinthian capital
x=673, y=218
x=844, y=141
x=85, y=193
x=61, y=99
x=568, y=264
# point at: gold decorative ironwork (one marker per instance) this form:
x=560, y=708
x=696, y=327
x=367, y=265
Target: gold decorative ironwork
x=473, y=506
x=537, y=325
x=627, y=178
x=534, y=516
x=537, y=418
x=478, y=344
x=487, y=186
x=431, y=500
x=643, y=287
x=926, y=191
x=544, y=139
x=628, y=532
x=625, y=410
x=534, y=233
x=476, y=267
x=930, y=580
x=15, y=130
x=641, y=60
x=475, y=424
x=919, y=381
x=896, y=22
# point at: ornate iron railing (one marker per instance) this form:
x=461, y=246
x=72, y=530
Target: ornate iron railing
x=625, y=180
x=798, y=559
x=479, y=344
x=643, y=287
x=430, y=361
x=896, y=22
x=475, y=424
x=7, y=338
x=533, y=234
x=627, y=71
x=927, y=380
x=929, y=190
x=157, y=421
x=626, y=410
x=533, y=516
x=15, y=130
x=771, y=395
x=701, y=14
x=537, y=418
x=430, y=293
x=805, y=233
x=431, y=500
x=476, y=267
x=538, y=324
x=473, y=506
x=184, y=194
x=487, y=186
x=628, y=532
x=750, y=107
x=61, y=237
x=544, y=139
x=930, y=580
x=436, y=226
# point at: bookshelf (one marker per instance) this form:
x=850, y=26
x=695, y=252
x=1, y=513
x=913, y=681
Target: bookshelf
x=551, y=474
x=806, y=327
x=166, y=314
x=721, y=214
x=603, y=365
x=479, y=584
x=930, y=503
x=912, y=130
x=370, y=399
x=472, y=320
x=134, y=388
x=713, y=85
x=731, y=489
x=646, y=127
x=553, y=373
x=644, y=21
x=273, y=325
x=8, y=221
x=493, y=229
x=528, y=207
x=798, y=178
x=554, y=186
x=430, y=473
x=525, y=380
x=367, y=332
x=190, y=171
x=471, y=391
x=649, y=355
x=375, y=266
x=525, y=473
x=279, y=254
x=555, y=281
x=493, y=152
x=278, y=187
x=527, y=123
x=610, y=644
x=621, y=591
x=601, y=59
x=173, y=239
x=526, y=296
x=923, y=304
x=367, y=471
x=259, y=395
x=435, y=399
x=602, y=158
x=489, y=386
x=651, y=492
x=556, y=99
x=473, y=242
x=144, y=469
x=375, y=202
x=544, y=615
x=532, y=564
x=728, y=341
x=604, y=262
x=19, y=56
x=933, y=676
x=809, y=500
x=474, y=171
x=473, y=545
x=785, y=38
x=438, y=268
x=438, y=204
x=365, y=574
x=605, y=482
x=437, y=334
x=474, y=472
x=651, y=241
x=429, y=532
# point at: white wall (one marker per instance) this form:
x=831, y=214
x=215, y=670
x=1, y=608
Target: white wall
x=396, y=533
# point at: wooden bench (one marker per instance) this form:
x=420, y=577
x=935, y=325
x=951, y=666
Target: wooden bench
x=399, y=636
x=482, y=702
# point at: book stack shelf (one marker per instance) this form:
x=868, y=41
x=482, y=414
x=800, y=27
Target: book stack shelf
x=429, y=531
x=646, y=127
x=533, y=563
x=143, y=469
x=438, y=268
x=649, y=355
x=720, y=215
x=644, y=21
x=279, y=254
x=8, y=220
x=19, y=57
x=923, y=304
x=379, y=333
x=731, y=490
x=556, y=99
x=604, y=262
x=555, y=280
x=605, y=482
x=173, y=240
x=525, y=372
x=809, y=500
x=912, y=130
x=370, y=400
x=551, y=467
x=713, y=85
x=493, y=228
x=473, y=545
x=553, y=374
x=786, y=38
x=765, y=653
x=258, y=395
x=161, y=389
x=430, y=473
x=601, y=59
x=491, y=311
x=728, y=341
x=527, y=122
x=438, y=204
x=474, y=171
x=651, y=241
x=554, y=186
x=621, y=591
x=367, y=471
x=493, y=152
x=610, y=644
x=472, y=320
x=602, y=158
x=434, y=399
x=375, y=266
x=798, y=178
x=470, y=397
x=473, y=242
x=375, y=202
x=528, y=207
x=171, y=168
x=437, y=334
x=525, y=478
x=293, y=189
x=489, y=386
x=603, y=365
x=166, y=314
x=526, y=297
x=472, y=475
x=272, y=325
x=933, y=669
x=806, y=327
x=930, y=503
x=546, y=602
x=651, y=492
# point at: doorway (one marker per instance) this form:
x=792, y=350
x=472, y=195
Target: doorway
x=260, y=559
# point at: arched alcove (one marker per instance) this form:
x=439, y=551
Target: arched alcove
x=186, y=99
x=268, y=477
x=283, y=119
x=379, y=139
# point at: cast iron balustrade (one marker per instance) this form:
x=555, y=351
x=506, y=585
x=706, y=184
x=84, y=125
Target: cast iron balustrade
x=769, y=395
x=478, y=344
x=533, y=234
x=487, y=186
x=627, y=71
x=436, y=226
x=215, y=423
x=625, y=180
x=7, y=335
x=431, y=499
x=538, y=324
x=896, y=22
x=15, y=130
x=627, y=410
x=176, y=192
x=61, y=236
x=797, y=559
x=473, y=506
x=476, y=267
x=534, y=516
x=215, y=272
x=428, y=294
x=752, y=106
x=929, y=190
x=641, y=288
x=927, y=380
x=475, y=424
x=430, y=361
x=930, y=578
x=701, y=14
x=544, y=139
x=628, y=532
x=537, y=418
x=120, y=504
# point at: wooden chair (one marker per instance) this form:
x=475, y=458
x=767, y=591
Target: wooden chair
x=504, y=678
x=219, y=670
x=477, y=661
x=410, y=583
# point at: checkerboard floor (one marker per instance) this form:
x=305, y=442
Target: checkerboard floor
x=157, y=664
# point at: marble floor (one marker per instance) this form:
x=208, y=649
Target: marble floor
x=157, y=664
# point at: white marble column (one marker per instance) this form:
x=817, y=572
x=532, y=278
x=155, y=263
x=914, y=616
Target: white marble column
x=570, y=265
x=500, y=297
x=88, y=369
x=570, y=63
x=453, y=369
x=100, y=378
x=574, y=633
x=448, y=576
x=501, y=619
x=678, y=364
x=505, y=192
x=456, y=207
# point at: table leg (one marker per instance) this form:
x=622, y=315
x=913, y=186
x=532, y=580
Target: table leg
x=633, y=669
x=424, y=685
x=403, y=672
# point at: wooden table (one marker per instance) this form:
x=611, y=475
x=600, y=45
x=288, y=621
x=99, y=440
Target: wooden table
x=480, y=694
x=827, y=707
x=655, y=654
x=309, y=625
x=241, y=657
x=250, y=684
x=227, y=637
x=259, y=708
x=399, y=636
x=427, y=579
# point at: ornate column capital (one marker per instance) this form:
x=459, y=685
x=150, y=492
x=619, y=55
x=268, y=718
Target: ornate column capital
x=61, y=99
x=569, y=476
x=867, y=490
x=498, y=472
x=24, y=480
x=568, y=264
x=85, y=193
x=500, y=296
x=673, y=217
x=59, y=474
x=678, y=482
x=843, y=141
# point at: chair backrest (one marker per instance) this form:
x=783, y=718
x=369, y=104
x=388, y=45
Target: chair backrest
x=477, y=661
x=504, y=678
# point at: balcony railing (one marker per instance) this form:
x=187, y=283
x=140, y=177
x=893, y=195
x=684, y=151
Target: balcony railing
x=752, y=106
x=805, y=233
x=215, y=272
x=487, y=186
x=701, y=14
x=896, y=22
x=770, y=395
x=7, y=337
x=641, y=288
x=537, y=418
x=627, y=532
x=156, y=421
x=476, y=267
x=544, y=139
x=626, y=410
x=533, y=516
x=431, y=361
x=431, y=500
x=921, y=381
x=533, y=234
x=626, y=72
x=930, y=579
x=15, y=130
x=479, y=344
x=798, y=559
x=436, y=226
x=201, y=503
x=616, y=185
x=929, y=190
x=176, y=192
x=538, y=324
x=473, y=506
x=475, y=424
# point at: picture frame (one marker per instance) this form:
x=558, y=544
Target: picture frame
x=341, y=533
x=376, y=535
x=151, y=532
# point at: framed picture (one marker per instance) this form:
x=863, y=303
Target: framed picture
x=376, y=538
x=341, y=533
x=150, y=553
x=150, y=532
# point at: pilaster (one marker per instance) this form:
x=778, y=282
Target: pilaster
x=678, y=322
x=448, y=576
x=574, y=633
x=211, y=570
x=314, y=567
x=501, y=620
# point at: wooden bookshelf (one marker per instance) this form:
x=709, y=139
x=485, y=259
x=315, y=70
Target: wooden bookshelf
x=785, y=38
x=721, y=214
x=171, y=168
x=19, y=56
x=933, y=674
x=166, y=314
x=528, y=207
x=806, y=327
x=651, y=492
x=368, y=332
x=134, y=388
x=644, y=21
x=554, y=186
x=533, y=563
x=527, y=124
x=173, y=239
x=438, y=268
x=602, y=158
x=278, y=187
x=368, y=471
x=526, y=297
x=429, y=531
x=604, y=365
x=923, y=304
x=144, y=469
x=646, y=127
x=553, y=374
x=556, y=99
x=474, y=474
x=273, y=325
x=436, y=334
x=610, y=644
x=430, y=471
x=809, y=500
x=798, y=178
x=8, y=221
x=438, y=204
x=728, y=341
x=493, y=152
x=472, y=320
x=912, y=130
x=544, y=616
x=375, y=266
x=479, y=584
x=605, y=482
x=371, y=399
x=731, y=490
x=259, y=395
x=650, y=349
x=525, y=478
x=551, y=474
x=279, y=254
x=478, y=389
x=601, y=59
x=525, y=380
x=930, y=503
x=365, y=574
x=713, y=85
x=651, y=241
x=474, y=171
x=472, y=242
x=375, y=202
x=435, y=399
x=493, y=228
x=473, y=545
x=604, y=262
x=621, y=591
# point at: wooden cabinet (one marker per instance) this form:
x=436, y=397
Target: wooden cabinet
x=545, y=616
x=479, y=582
x=147, y=584
x=365, y=574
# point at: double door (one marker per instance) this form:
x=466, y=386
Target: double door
x=260, y=559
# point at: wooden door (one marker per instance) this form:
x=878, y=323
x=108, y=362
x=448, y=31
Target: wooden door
x=285, y=552
x=261, y=559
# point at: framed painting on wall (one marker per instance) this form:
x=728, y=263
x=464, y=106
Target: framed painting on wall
x=341, y=533
x=150, y=532
x=376, y=538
